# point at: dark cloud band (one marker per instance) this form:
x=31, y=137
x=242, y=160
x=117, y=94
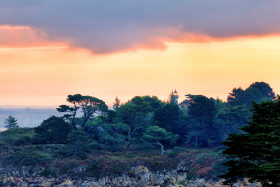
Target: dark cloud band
x=112, y=26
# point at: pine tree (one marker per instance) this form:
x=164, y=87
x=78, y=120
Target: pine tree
x=117, y=103
x=11, y=123
x=256, y=153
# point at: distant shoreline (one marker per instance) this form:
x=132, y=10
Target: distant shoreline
x=27, y=106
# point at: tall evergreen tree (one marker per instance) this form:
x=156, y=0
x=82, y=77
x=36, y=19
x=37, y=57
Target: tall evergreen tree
x=256, y=154
x=117, y=103
x=11, y=123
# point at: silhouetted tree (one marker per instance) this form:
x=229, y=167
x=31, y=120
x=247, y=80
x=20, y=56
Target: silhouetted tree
x=117, y=103
x=53, y=130
x=11, y=123
x=88, y=104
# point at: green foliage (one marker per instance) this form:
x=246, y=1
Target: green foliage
x=28, y=158
x=88, y=104
x=154, y=102
x=136, y=115
x=175, y=151
x=116, y=104
x=16, y=135
x=48, y=173
x=168, y=117
x=201, y=127
x=257, y=92
x=114, y=136
x=155, y=135
x=255, y=154
x=54, y=130
x=11, y=123
x=94, y=169
x=78, y=145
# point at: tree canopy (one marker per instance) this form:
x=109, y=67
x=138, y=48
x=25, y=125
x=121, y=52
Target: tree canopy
x=53, y=130
x=88, y=104
x=134, y=113
x=256, y=153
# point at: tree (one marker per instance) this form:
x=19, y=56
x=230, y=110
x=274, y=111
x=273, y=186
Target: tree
x=116, y=104
x=155, y=135
x=265, y=90
x=171, y=97
x=201, y=127
x=154, y=102
x=78, y=143
x=257, y=92
x=168, y=117
x=232, y=118
x=53, y=130
x=114, y=135
x=88, y=104
x=135, y=114
x=256, y=153
x=11, y=123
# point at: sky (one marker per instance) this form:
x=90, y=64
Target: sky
x=50, y=49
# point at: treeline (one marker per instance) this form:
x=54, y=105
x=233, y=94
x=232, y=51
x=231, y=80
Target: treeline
x=147, y=122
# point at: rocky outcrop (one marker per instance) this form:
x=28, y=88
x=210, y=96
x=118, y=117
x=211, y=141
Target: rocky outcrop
x=139, y=176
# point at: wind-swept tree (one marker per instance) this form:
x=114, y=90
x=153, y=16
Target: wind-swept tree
x=155, y=135
x=88, y=104
x=135, y=114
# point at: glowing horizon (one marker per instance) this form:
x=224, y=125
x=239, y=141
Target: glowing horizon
x=45, y=75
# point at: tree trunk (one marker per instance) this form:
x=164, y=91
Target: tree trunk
x=162, y=151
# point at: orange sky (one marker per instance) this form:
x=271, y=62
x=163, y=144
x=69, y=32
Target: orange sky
x=35, y=71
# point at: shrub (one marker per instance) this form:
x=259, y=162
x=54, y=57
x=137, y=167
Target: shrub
x=175, y=151
x=27, y=158
x=95, y=146
x=48, y=172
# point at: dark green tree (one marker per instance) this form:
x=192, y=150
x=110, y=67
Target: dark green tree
x=116, y=104
x=135, y=114
x=115, y=135
x=201, y=123
x=168, y=117
x=257, y=92
x=155, y=135
x=88, y=104
x=79, y=143
x=231, y=119
x=265, y=90
x=256, y=153
x=154, y=102
x=53, y=130
x=11, y=123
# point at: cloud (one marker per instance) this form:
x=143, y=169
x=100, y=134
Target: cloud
x=113, y=26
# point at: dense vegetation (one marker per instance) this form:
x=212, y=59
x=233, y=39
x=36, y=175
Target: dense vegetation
x=142, y=128
x=255, y=154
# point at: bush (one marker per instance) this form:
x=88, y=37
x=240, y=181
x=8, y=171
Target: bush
x=28, y=158
x=14, y=136
x=48, y=173
x=95, y=146
x=175, y=151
